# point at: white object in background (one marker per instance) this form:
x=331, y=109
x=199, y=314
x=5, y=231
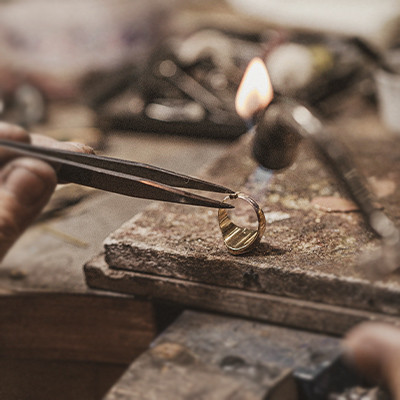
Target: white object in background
x=388, y=89
x=373, y=20
x=291, y=67
x=55, y=43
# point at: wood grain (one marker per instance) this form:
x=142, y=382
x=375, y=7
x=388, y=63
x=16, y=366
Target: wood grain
x=260, y=306
x=75, y=327
x=61, y=380
x=207, y=357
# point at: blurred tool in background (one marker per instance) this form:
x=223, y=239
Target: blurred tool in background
x=47, y=47
x=175, y=68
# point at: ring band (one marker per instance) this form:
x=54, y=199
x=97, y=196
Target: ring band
x=240, y=240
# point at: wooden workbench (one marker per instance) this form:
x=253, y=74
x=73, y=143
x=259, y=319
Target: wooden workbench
x=59, y=339
x=54, y=329
x=309, y=271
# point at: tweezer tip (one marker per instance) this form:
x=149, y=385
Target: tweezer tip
x=226, y=205
x=226, y=190
x=212, y=187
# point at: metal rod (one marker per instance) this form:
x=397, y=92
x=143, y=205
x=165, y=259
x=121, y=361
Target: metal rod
x=341, y=163
x=120, y=176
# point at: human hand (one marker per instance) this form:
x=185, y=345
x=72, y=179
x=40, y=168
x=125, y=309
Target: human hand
x=26, y=184
x=374, y=349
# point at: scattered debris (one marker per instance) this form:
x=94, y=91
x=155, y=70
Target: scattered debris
x=276, y=216
x=334, y=204
x=382, y=187
x=65, y=237
x=18, y=274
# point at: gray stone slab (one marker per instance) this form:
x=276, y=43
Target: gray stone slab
x=306, y=253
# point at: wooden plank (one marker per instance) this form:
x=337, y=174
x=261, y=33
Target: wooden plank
x=87, y=328
x=204, y=356
x=155, y=377
x=266, y=307
x=197, y=359
x=61, y=380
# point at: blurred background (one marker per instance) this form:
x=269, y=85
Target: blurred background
x=155, y=81
x=174, y=67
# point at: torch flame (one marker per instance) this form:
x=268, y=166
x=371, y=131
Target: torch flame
x=255, y=90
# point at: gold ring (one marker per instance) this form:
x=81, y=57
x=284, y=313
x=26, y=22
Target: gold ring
x=240, y=240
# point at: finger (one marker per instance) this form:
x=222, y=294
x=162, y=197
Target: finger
x=375, y=350
x=45, y=141
x=11, y=132
x=25, y=187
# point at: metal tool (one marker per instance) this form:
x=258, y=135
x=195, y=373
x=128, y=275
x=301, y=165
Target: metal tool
x=170, y=71
x=277, y=136
x=121, y=176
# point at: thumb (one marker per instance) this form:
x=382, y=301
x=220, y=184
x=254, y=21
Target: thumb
x=25, y=187
x=374, y=348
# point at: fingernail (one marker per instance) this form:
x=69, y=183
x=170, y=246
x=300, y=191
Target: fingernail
x=80, y=147
x=28, y=187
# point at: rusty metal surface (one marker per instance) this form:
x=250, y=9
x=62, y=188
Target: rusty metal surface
x=207, y=356
x=306, y=253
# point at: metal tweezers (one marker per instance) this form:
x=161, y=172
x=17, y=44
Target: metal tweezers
x=121, y=176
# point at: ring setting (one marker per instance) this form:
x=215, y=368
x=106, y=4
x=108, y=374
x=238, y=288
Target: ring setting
x=239, y=240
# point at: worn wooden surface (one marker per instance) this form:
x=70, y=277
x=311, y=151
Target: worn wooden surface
x=75, y=327
x=25, y=379
x=281, y=310
x=306, y=254
x=44, y=270
x=204, y=356
x=50, y=255
x=56, y=335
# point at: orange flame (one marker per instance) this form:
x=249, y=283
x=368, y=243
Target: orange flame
x=255, y=90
